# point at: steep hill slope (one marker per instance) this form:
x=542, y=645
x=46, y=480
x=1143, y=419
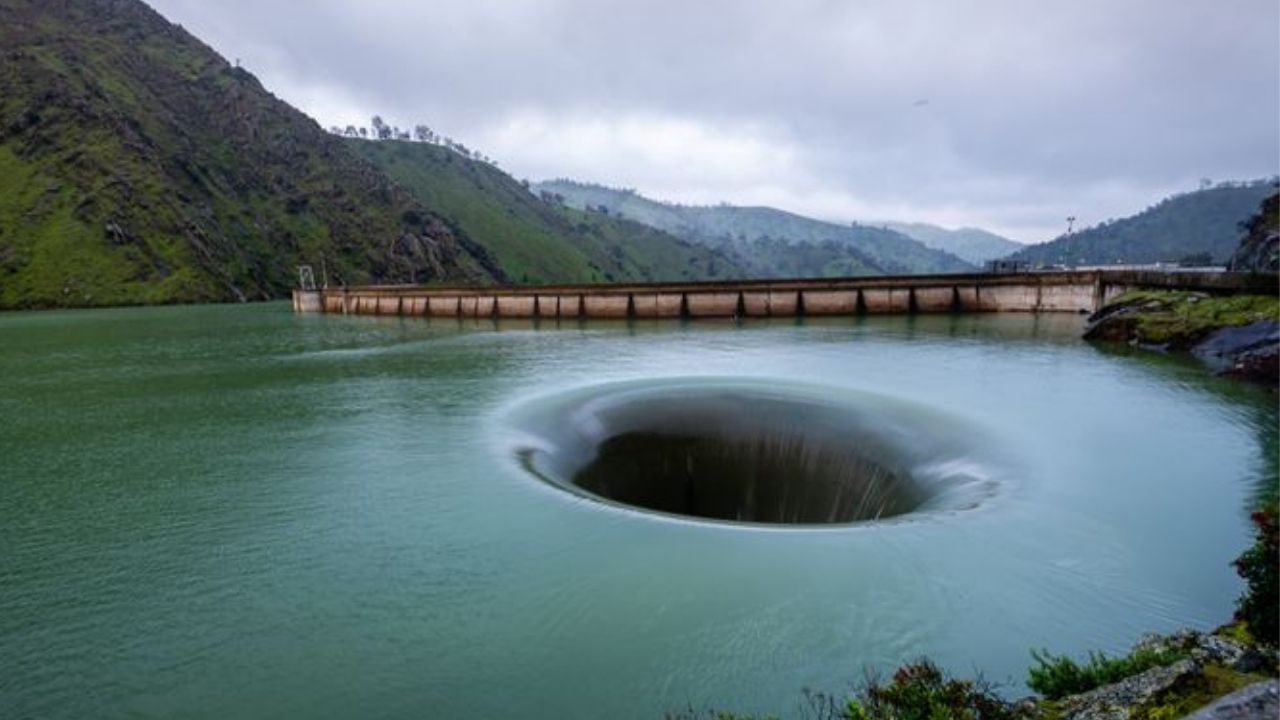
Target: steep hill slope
x=1259, y=249
x=1202, y=222
x=535, y=241
x=138, y=166
x=766, y=235
x=972, y=245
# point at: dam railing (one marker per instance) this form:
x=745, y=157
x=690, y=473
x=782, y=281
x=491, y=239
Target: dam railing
x=1056, y=291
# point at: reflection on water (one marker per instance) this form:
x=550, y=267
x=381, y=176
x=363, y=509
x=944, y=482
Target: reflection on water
x=239, y=512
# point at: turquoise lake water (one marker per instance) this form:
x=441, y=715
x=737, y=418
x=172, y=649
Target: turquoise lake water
x=214, y=512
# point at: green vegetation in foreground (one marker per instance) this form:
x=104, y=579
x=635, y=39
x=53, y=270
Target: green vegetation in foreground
x=919, y=691
x=1180, y=319
x=537, y=242
x=1213, y=682
x=1057, y=676
x=922, y=691
x=1258, y=610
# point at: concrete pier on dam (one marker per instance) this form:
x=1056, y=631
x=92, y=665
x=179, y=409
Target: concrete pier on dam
x=1064, y=291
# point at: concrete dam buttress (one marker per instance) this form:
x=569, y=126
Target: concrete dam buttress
x=1064, y=291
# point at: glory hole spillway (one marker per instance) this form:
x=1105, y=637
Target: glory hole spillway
x=757, y=452
x=417, y=499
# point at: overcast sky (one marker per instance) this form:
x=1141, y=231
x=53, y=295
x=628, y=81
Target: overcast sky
x=1009, y=115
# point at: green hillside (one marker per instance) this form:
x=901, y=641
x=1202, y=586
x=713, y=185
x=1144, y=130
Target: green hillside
x=535, y=241
x=138, y=166
x=972, y=245
x=1205, y=222
x=770, y=240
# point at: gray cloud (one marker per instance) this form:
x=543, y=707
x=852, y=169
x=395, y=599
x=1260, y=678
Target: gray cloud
x=1034, y=111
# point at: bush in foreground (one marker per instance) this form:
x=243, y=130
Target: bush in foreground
x=1057, y=676
x=1259, y=607
x=921, y=691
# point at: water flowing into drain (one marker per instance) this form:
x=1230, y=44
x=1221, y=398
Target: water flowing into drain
x=751, y=452
x=771, y=479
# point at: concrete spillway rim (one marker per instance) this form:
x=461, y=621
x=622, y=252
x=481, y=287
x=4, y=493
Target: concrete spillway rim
x=974, y=482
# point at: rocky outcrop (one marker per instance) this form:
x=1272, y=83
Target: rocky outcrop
x=1251, y=351
x=1259, y=250
x=1119, y=321
x=1180, y=686
x=1118, y=701
x=1237, y=336
x=1260, y=701
x=1211, y=649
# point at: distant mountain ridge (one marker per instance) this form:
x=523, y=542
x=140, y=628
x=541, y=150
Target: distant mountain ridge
x=772, y=242
x=1204, y=223
x=535, y=241
x=137, y=166
x=973, y=245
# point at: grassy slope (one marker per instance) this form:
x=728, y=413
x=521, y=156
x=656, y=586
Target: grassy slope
x=1206, y=221
x=138, y=166
x=865, y=249
x=1183, y=318
x=534, y=241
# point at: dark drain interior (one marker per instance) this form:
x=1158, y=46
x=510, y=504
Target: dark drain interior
x=769, y=478
x=744, y=451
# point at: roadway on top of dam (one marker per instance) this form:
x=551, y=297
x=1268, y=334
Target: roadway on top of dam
x=1171, y=279
x=1052, y=291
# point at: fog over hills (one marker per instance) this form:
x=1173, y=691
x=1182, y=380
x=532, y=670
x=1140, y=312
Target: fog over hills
x=772, y=241
x=993, y=114
x=138, y=165
x=973, y=245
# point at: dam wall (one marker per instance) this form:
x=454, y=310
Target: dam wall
x=1065, y=291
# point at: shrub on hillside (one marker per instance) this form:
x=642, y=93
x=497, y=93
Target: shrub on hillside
x=1259, y=607
x=1057, y=676
x=921, y=691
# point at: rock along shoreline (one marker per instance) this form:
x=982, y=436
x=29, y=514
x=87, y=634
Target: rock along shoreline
x=1237, y=336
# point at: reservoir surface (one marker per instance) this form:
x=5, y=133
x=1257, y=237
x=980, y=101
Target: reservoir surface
x=212, y=512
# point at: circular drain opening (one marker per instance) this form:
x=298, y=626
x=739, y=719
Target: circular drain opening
x=750, y=452
x=760, y=477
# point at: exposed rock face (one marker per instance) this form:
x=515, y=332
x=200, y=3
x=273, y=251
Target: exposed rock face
x=1141, y=694
x=1118, y=322
x=1259, y=251
x=1232, y=338
x=1213, y=649
x=1118, y=701
x=1260, y=701
x=1251, y=352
